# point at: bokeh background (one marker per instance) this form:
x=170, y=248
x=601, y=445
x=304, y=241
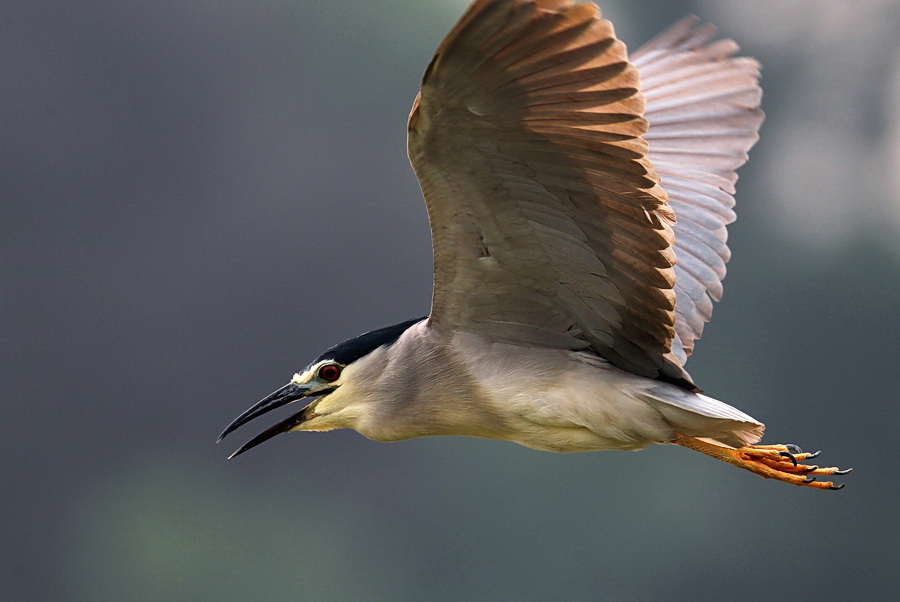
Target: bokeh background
x=199, y=196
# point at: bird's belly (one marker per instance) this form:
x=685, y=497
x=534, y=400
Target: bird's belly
x=574, y=439
x=566, y=425
x=576, y=407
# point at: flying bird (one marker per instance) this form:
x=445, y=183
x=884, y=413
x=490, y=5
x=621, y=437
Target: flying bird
x=578, y=198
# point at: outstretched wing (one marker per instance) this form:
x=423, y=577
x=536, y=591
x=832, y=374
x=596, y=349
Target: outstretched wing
x=548, y=223
x=703, y=110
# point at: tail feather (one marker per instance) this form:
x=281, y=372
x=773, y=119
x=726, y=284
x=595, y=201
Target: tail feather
x=703, y=417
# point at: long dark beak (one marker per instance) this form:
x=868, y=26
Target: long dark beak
x=285, y=395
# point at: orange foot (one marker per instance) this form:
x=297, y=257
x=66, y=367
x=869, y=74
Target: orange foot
x=781, y=462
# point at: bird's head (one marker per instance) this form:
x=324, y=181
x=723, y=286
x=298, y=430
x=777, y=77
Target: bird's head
x=334, y=385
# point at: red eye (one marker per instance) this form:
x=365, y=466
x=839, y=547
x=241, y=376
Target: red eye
x=330, y=373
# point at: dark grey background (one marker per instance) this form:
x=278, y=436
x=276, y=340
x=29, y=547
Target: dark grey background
x=200, y=196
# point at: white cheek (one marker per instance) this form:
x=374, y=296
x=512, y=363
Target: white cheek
x=329, y=404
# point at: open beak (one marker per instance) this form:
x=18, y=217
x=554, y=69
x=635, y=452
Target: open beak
x=285, y=395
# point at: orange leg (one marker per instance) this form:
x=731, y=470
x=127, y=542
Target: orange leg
x=781, y=462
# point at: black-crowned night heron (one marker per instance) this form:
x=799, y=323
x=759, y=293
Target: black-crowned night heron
x=578, y=199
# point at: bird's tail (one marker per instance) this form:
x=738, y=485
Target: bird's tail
x=703, y=417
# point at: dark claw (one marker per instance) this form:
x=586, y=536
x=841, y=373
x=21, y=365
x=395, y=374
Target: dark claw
x=845, y=471
x=809, y=479
x=794, y=448
x=811, y=468
x=789, y=456
x=813, y=454
x=836, y=487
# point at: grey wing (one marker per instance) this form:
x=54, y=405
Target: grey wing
x=703, y=111
x=548, y=223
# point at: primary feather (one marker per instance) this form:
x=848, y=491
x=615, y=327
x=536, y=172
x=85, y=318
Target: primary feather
x=703, y=111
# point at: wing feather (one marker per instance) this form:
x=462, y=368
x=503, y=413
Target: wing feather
x=703, y=111
x=548, y=222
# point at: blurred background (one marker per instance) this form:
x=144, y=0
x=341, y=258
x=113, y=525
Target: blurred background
x=199, y=196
